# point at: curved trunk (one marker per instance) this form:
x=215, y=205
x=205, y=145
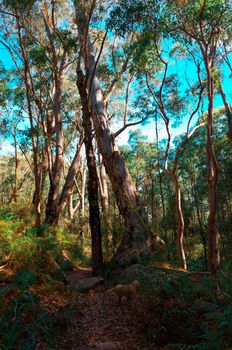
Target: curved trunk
x=122, y=183
x=69, y=182
x=180, y=218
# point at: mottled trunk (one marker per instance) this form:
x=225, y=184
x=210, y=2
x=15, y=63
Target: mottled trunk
x=180, y=219
x=106, y=217
x=69, y=182
x=37, y=182
x=94, y=211
x=103, y=186
x=52, y=213
x=122, y=183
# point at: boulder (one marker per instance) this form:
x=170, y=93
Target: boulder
x=86, y=284
x=149, y=278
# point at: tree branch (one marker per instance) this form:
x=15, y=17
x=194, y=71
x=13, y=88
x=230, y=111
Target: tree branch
x=128, y=125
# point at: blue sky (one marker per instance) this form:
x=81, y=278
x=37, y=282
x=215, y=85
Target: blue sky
x=182, y=66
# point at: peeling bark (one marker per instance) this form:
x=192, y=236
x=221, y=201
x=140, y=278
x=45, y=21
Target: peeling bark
x=122, y=184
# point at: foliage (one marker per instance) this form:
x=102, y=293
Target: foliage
x=23, y=324
x=193, y=320
x=151, y=65
x=20, y=5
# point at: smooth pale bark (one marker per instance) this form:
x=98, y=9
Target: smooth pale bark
x=37, y=175
x=72, y=209
x=181, y=225
x=122, y=183
x=106, y=217
x=52, y=212
x=69, y=182
x=103, y=186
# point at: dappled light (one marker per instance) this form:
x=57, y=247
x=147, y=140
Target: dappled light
x=115, y=175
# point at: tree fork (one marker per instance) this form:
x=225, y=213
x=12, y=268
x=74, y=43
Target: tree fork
x=137, y=230
x=94, y=211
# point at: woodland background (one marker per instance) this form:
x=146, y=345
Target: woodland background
x=75, y=76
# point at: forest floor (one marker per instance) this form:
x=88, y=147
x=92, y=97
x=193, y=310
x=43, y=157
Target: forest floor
x=38, y=310
x=54, y=315
x=96, y=322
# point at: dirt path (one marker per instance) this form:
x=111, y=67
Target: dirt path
x=97, y=323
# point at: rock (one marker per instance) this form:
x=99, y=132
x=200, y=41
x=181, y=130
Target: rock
x=88, y=283
x=108, y=345
x=150, y=278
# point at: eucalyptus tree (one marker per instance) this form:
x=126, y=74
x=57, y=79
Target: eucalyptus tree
x=122, y=184
x=43, y=52
x=94, y=211
x=204, y=23
x=12, y=18
x=141, y=157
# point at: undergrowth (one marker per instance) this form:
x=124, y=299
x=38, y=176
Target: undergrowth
x=184, y=314
x=32, y=266
x=25, y=325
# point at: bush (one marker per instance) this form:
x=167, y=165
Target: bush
x=23, y=324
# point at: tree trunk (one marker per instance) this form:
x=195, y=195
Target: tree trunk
x=158, y=164
x=180, y=218
x=105, y=205
x=103, y=186
x=14, y=195
x=52, y=213
x=83, y=183
x=69, y=182
x=70, y=207
x=94, y=212
x=202, y=233
x=26, y=72
x=122, y=183
x=213, y=247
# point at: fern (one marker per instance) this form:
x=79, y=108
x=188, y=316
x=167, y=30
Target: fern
x=23, y=323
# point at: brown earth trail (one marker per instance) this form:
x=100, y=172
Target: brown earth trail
x=98, y=323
